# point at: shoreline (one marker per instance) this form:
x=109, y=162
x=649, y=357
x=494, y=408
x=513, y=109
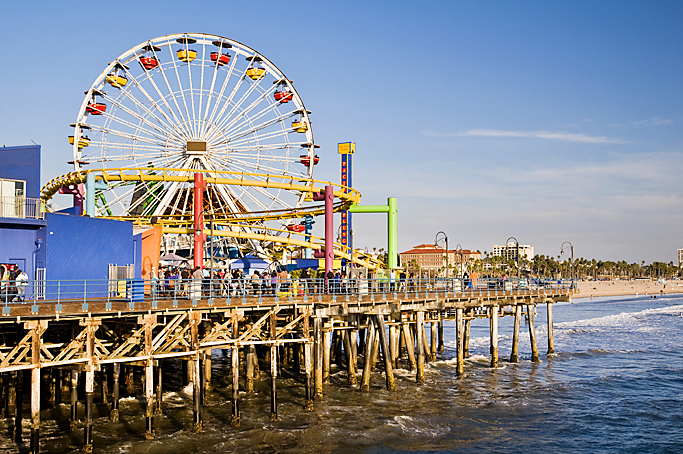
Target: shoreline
x=588, y=289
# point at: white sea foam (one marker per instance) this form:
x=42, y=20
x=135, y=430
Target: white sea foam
x=414, y=426
x=624, y=318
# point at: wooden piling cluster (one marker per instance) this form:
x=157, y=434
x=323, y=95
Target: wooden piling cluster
x=361, y=334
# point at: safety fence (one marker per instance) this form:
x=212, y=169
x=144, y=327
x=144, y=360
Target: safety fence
x=138, y=290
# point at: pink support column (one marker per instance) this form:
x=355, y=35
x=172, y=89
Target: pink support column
x=199, y=220
x=329, y=229
x=77, y=191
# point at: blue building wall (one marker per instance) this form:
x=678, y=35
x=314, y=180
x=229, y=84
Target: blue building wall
x=22, y=163
x=80, y=248
x=18, y=244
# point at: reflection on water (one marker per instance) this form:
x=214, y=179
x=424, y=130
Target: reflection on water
x=615, y=385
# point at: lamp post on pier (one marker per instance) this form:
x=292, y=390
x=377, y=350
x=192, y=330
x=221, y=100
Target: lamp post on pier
x=517, y=251
x=571, y=260
x=458, y=253
x=436, y=243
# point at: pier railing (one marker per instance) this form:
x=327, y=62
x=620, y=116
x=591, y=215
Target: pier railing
x=138, y=290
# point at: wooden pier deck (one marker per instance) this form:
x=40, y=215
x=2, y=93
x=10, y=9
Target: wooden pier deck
x=101, y=341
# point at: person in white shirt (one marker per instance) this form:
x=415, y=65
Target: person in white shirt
x=22, y=283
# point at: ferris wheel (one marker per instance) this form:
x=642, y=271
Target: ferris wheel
x=194, y=102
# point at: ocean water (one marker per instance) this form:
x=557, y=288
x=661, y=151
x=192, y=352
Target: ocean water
x=614, y=385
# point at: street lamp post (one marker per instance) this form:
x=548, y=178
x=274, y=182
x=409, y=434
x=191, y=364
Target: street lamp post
x=571, y=260
x=436, y=243
x=458, y=253
x=516, y=254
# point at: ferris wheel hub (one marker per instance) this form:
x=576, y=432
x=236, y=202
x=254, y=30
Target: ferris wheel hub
x=195, y=148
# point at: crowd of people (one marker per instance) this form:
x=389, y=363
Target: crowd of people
x=187, y=282
x=13, y=283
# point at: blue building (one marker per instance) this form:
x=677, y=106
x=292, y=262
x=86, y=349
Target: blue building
x=60, y=246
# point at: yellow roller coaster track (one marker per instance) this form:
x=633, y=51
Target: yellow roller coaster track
x=183, y=225
x=287, y=183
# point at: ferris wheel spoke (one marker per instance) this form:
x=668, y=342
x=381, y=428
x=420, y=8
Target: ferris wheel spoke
x=171, y=121
x=182, y=121
x=153, y=139
x=227, y=117
x=167, y=128
x=260, y=142
x=237, y=118
x=119, y=199
x=237, y=131
x=201, y=88
x=215, y=116
x=224, y=86
x=181, y=91
x=127, y=147
x=234, y=123
x=148, y=134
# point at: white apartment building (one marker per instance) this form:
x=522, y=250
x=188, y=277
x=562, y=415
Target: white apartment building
x=511, y=250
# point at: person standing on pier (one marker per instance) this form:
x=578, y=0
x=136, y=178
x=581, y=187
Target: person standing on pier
x=22, y=283
x=196, y=286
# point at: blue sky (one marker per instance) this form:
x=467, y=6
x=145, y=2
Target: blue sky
x=546, y=121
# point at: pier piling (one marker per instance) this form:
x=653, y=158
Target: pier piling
x=388, y=369
x=350, y=363
x=249, y=372
x=515, y=334
x=494, y=336
x=551, y=339
x=74, y=399
x=367, y=356
x=410, y=347
x=273, y=367
x=235, y=365
x=419, y=336
x=116, y=372
x=532, y=333
x=460, y=340
x=318, y=356
x=466, y=339
x=34, y=326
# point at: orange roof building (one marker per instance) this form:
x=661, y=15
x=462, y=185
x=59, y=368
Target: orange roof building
x=431, y=257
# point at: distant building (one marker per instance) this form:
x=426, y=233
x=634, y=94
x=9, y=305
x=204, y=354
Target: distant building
x=431, y=257
x=680, y=257
x=512, y=251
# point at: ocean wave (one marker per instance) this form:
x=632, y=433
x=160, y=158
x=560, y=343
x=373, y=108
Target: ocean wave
x=617, y=319
x=420, y=427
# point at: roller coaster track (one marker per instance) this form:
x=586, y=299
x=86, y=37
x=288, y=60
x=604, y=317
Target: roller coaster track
x=184, y=224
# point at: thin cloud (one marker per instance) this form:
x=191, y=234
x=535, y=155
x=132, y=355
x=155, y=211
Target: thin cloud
x=546, y=135
x=654, y=121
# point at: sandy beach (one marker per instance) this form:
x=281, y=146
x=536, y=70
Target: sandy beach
x=589, y=289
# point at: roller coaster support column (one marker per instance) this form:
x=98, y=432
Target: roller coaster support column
x=199, y=186
x=329, y=229
x=390, y=208
x=77, y=191
x=91, y=185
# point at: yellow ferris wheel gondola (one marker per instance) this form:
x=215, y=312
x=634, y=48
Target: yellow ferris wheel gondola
x=255, y=71
x=186, y=54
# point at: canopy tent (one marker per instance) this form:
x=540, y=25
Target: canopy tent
x=249, y=262
x=173, y=259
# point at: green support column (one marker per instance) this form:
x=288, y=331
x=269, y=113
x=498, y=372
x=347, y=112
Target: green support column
x=392, y=230
x=392, y=253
